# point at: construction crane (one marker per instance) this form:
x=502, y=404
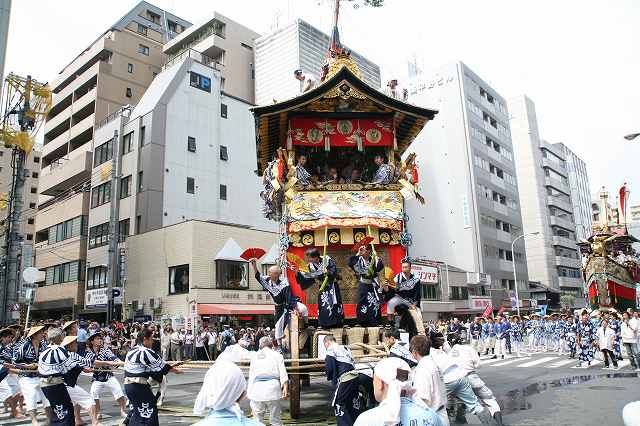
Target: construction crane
x=24, y=106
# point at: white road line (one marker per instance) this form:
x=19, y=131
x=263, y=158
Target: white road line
x=561, y=363
x=490, y=361
x=537, y=361
x=506, y=362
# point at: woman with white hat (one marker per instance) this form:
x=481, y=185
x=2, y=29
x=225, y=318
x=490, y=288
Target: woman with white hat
x=224, y=386
x=393, y=390
x=25, y=357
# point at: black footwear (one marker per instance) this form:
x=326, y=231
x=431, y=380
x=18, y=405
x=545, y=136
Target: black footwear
x=494, y=357
x=498, y=418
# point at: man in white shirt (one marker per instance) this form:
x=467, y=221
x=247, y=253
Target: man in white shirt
x=175, y=345
x=468, y=360
x=427, y=379
x=268, y=382
x=212, y=337
x=456, y=382
x=165, y=342
x=307, y=82
x=605, y=337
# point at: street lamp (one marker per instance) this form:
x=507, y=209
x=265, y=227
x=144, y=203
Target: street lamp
x=631, y=136
x=513, y=261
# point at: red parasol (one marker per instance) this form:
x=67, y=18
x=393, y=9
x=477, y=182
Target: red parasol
x=250, y=253
x=363, y=242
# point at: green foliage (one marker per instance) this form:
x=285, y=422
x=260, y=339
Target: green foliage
x=567, y=300
x=370, y=3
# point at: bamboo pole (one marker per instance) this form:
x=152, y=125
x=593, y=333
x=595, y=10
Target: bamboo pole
x=294, y=382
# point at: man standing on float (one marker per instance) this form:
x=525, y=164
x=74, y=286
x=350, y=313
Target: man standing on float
x=366, y=267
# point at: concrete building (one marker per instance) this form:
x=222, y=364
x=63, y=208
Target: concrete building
x=114, y=70
x=229, y=45
x=580, y=192
x=553, y=257
x=634, y=224
x=193, y=268
x=186, y=152
x=297, y=45
x=5, y=17
x=472, y=212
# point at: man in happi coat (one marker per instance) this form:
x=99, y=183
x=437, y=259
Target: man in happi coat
x=383, y=175
x=323, y=270
x=366, y=267
x=585, y=338
x=406, y=296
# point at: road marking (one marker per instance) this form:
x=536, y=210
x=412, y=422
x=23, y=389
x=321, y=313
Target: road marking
x=490, y=361
x=506, y=362
x=537, y=361
x=561, y=363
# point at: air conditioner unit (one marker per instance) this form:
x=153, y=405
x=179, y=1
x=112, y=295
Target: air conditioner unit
x=155, y=303
x=135, y=305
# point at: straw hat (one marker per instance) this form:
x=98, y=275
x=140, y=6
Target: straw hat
x=35, y=329
x=67, y=340
x=7, y=331
x=595, y=313
x=93, y=336
x=69, y=324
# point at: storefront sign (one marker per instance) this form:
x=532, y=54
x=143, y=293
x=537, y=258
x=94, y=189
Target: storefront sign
x=478, y=278
x=426, y=274
x=98, y=297
x=479, y=303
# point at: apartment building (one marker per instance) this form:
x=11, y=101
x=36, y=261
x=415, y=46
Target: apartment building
x=553, y=257
x=297, y=45
x=229, y=45
x=5, y=16
x=465, y=159
x=185, y=152
x=114, y=70
x=580, y=192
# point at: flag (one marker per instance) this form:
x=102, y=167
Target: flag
x=501, y=310
x=487, y=311
x=624, y=195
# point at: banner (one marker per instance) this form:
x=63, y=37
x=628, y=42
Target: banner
x=487, y=311
x=306, y=131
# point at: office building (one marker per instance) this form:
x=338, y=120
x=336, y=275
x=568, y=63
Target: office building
x=553, y=257
x=634, y=224
x=580, y=192
x=113, y=71
x=465, y=158
x=5, y=17
x=186, y=152
x=193, y=268
x=229, y=45
x=297, y=45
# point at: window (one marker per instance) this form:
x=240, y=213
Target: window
x=31, y=221
x=125, y=187
x=172, y=26
x=103, y=153
x=179, y=279
x=97, y=277
x=139, y=224
x=127, y=143
x=143, y=49
x=142, y=135
x=191, y=185
x=246, y=46
x=34, y=175
x=140, y=176
x=142, y=29
x=231, y=274
x=129, y=92
x=459, y=293
x=223, y=192
x=101, y=194
x=29, y=237
x=123, y=230
x=222, y=82
x=65, y=272
x=200, y=82
x=191, y=144
x=223, y=110
x=224, y=154
x=32, y=205
x=67, y=229
x=34, y=190
x=36, y=159
x=99, y=235
x=153, y=17
x=430, y=292
x=130, y=68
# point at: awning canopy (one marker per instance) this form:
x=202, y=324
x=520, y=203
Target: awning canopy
x=230, y=251
x=239, y=309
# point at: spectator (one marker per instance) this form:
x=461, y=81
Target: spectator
x=605, y=336
x=268, y=383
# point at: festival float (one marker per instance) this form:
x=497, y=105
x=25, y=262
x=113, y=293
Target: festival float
x=610, y=268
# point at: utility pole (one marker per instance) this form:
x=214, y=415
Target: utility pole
x=114, y=216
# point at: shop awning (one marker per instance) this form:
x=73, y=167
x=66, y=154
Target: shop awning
x=239, y=309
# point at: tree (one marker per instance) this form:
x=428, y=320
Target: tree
x=372, y=3
x=567, y=300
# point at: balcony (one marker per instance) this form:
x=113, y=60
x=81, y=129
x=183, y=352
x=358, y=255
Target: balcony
x=57, y=120
x=55, y=144
x=81, y=126
x=83, y=78
x=492, y=153
x=500, y=208
x=64, y=174
x=568, y=262
x=557, y=183
x=84, y=100
x=554, y=165
x=564, y=242
x=571, y=282
x=563, y=223
x=560, y=203
x=505, y=237
x=497, y=181
x=60, y=211
x=71, y=292
x=61, y=252
x=95, y=52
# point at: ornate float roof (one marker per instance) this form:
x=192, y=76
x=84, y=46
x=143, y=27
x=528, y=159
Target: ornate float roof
x=342, y=95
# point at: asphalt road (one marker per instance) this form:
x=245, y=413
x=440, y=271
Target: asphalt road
x=543, y=389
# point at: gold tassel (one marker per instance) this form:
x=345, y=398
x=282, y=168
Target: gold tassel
x=327, y=140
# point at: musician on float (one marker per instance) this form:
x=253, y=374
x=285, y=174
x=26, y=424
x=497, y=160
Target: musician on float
x=366, y=267
x=323, y=270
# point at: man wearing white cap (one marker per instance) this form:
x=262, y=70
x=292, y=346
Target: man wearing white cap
x=268, y=382
x=392, y=389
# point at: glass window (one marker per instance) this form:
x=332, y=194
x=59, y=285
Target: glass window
x=191, y=144
x=129, y=68
x=223, y=192
x=125, y=187
x=123, y=230
x=142, y=135
x=129, y=92
x=127, y=143
x=179, y=279
x=224, y=153
x=223, y=110
x=97, y=277
x=143, y=49
x=99, y=235
x=430, y=292
x=103, y=153
x=231, y=274
x=191, y=185
x=101, y=194
x=142, y=29
x=140, y=185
